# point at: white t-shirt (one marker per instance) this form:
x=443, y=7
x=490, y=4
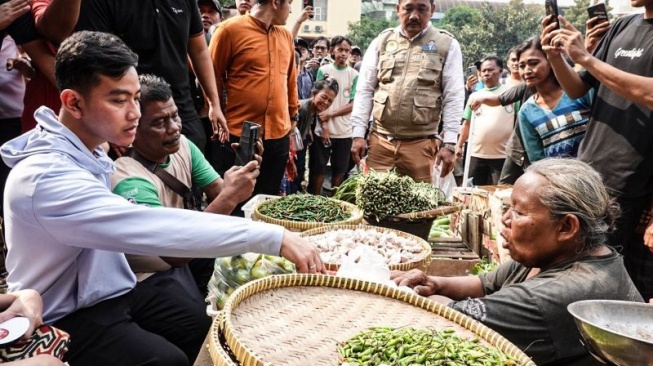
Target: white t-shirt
x=13, y=84
x=492, y=127
x=339, y=127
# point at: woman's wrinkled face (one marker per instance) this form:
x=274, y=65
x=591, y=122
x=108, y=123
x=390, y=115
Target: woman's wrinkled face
x=322, y=100
x=530, y=233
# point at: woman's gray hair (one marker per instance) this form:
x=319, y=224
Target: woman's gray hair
x=575, y=188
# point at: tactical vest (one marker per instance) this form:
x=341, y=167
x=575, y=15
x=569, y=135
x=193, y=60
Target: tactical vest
x=408, y=99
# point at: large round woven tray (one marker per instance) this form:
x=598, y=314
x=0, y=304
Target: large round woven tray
x=424, y=258
x=220, y=352
x=298, y=319
x=355, y=218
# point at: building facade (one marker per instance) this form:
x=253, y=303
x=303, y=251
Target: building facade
x=332, y=17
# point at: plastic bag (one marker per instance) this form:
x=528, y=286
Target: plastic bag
x=296, y=139
x=232, y=272
x=365, y=264
x=446, y=184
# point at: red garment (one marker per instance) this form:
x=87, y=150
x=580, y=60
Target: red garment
x=39, y=91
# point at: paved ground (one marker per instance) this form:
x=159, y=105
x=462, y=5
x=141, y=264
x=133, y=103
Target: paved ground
x=204, y=359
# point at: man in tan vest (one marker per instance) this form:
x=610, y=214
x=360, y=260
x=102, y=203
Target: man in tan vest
x=411, y=79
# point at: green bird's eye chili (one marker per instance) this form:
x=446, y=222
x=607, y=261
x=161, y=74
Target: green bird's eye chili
x=305, y=208
x=408, y=346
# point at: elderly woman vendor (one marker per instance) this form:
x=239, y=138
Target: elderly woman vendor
x=556, y=232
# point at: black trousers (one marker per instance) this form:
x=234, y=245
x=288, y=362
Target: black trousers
x=485, y=171
x=273, y=167
x=629, y=240
x=155, y=324
x=510, y=172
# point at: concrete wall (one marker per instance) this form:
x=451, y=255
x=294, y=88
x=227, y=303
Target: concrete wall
x=339, y=14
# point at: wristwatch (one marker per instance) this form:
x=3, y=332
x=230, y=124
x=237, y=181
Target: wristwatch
x=450, y=147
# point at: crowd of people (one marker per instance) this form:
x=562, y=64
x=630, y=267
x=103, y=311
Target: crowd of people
x=131, y=114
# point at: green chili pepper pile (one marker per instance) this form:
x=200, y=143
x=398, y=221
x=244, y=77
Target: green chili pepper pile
x=305, y=208
x=380, y=195
x=408, y=346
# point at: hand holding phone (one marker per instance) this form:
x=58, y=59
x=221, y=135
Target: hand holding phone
x=247, y=144
x=551, y=7
x=307, y=3
x=598, y=11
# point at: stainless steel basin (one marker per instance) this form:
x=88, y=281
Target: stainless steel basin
x=616, y=332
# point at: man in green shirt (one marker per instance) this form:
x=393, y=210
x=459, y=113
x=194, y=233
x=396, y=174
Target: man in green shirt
x=159, y=141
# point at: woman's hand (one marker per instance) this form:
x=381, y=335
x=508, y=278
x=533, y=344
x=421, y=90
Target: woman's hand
x=324, y=117
x=326, y=136
x=546, y=38
x=417, y=280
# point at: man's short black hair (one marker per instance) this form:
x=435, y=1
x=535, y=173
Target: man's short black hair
x=431, y=1
x=264, y=2
x=153, y=89
x=86, y=55
x=321, y=38
x=496, y=59
x=337, y=40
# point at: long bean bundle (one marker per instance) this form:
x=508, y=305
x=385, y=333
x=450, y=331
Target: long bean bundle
x=408, y=346
x=380, y=195
x=306, y=208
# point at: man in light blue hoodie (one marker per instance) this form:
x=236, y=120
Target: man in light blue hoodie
x=66, y=231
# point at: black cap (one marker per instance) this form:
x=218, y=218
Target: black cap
x=356, y=49
x=300, y=42
x=215, y=3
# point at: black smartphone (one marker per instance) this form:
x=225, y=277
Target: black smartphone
x=598, y=11
x=308, y=3
x=247, y=144
x=551, y=7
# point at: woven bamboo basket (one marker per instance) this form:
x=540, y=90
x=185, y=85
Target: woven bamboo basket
x=220, y=352
x=298, y=319
x=355, y=218
x=423, y=260
x=416, y=223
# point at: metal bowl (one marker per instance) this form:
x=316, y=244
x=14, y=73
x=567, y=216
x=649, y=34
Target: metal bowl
x=616, y=332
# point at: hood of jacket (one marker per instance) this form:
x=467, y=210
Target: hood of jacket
x=50, y=136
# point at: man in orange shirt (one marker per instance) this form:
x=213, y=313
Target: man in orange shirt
x=254, y=61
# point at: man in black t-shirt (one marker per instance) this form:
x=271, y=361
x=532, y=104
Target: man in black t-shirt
x=165, y=35
x=619, y=138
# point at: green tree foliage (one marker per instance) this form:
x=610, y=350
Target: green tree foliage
x=227, y=2
x=494, y=29
x=577, y=13
x=459, y=16
x=364, y=31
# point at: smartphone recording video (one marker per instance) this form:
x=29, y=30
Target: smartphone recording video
x=308, y=3
x=247, y=144
x=598, y=11
x=551, y=7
